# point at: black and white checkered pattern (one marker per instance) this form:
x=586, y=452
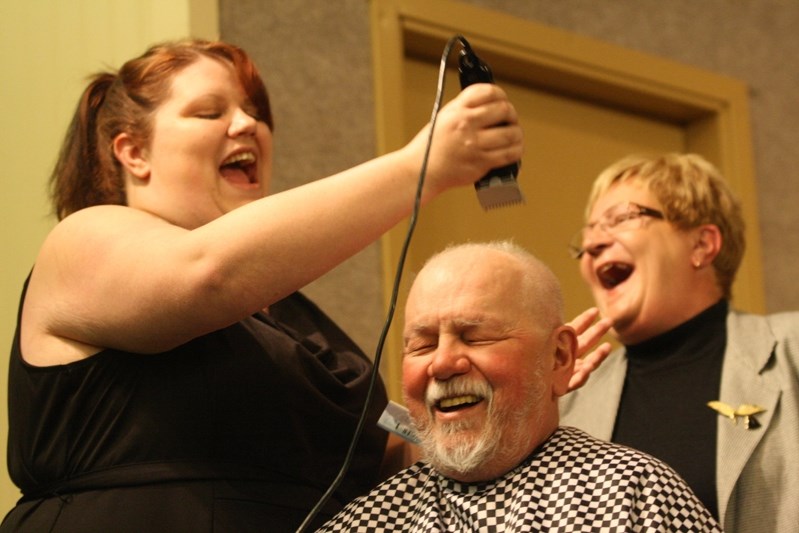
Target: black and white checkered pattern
x=572, y=483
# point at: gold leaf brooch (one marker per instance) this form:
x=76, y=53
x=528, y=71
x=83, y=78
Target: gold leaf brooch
x=746, y=411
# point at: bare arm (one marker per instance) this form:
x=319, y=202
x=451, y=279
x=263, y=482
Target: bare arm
x=116, y=277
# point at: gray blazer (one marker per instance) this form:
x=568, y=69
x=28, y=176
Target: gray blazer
x=757, y=470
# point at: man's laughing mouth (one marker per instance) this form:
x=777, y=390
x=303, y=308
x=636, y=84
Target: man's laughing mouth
x=456, y=403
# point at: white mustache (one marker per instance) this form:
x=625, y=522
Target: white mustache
x=461, y=386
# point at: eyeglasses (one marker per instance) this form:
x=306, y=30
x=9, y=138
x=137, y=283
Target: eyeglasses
x=620, y=217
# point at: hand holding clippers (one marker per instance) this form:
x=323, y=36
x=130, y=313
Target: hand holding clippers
x=499, y=187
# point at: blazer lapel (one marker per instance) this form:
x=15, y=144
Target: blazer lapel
x=744, y=380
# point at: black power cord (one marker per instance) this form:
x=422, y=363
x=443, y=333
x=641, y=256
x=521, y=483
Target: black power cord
x=395, y=289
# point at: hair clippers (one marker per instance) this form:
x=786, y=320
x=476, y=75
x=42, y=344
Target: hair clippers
x=499, y=187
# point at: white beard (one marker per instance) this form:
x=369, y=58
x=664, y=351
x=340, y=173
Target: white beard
x=505, y=431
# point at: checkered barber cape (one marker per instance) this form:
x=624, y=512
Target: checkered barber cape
x=573, y=482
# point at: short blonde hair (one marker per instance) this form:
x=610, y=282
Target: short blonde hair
x=692, y=192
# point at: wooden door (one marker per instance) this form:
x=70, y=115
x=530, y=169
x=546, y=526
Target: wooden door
x=583, y=104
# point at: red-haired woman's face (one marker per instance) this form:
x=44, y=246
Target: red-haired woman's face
x=209, y=152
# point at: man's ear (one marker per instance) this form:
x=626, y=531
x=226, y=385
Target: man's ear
x=707, y=245
x=132, y=156
x=563, y=364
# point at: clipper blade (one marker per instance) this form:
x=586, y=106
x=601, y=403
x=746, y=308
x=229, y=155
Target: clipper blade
x=499, y=191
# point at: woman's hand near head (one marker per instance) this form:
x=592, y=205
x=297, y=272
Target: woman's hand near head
x=589, y=333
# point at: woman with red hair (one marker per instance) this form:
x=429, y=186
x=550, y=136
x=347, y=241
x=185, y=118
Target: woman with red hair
x=166, y=373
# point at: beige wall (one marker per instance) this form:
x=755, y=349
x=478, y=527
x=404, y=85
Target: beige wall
x=48, y=48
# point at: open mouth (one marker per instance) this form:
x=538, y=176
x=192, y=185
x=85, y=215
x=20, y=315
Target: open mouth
x=240, y=169
x=456, y=403
x=612, y=274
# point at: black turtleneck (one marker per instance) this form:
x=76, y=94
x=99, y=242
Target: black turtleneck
x=663, y=411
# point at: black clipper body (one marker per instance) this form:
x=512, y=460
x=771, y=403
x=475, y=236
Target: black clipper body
x=499, y=187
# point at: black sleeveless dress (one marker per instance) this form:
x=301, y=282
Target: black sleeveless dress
x=239, y=430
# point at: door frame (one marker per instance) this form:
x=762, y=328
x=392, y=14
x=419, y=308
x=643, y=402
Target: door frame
x=712, y=109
